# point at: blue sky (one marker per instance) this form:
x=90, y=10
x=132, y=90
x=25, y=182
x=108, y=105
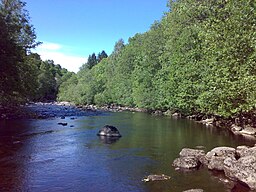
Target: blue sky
x=72, y=29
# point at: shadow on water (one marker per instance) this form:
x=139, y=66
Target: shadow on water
x=13, y=174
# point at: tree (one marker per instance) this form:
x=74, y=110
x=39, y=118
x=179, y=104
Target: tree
x=92, y=61
x=16, y=39
x=200, y=58
x=119, y=45
x=101, y=56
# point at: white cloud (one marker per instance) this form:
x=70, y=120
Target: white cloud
x=55, y=52
x=50, y=46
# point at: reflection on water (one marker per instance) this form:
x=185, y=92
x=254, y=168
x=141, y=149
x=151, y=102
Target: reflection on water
x=40, y=155
x=108, y=140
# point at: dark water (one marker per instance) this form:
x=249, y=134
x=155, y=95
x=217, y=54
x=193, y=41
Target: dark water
x=40, y=155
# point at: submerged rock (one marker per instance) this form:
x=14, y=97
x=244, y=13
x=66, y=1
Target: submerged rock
x=109, y=131
x=63, y=123
x=156, y=178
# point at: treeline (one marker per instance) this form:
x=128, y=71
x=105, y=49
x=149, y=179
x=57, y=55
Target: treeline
x=48, y=77
x=199, y=58
x=23, y=75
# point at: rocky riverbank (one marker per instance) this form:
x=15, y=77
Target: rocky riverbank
x=238, y=164
x=244, y=124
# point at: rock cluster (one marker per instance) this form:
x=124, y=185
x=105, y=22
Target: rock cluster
x=239, y=164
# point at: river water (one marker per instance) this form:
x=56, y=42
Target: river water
x=41, y=155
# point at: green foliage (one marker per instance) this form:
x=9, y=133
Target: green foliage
x=229, y=49
x=50, y=77
x=199, y=58
x=94, y=60
x=17, y=37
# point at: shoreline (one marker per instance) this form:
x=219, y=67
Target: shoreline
x=244, y=124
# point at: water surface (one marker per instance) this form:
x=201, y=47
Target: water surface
x=40, y=155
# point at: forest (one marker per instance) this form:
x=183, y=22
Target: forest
x=24, y=77
x=199, y=58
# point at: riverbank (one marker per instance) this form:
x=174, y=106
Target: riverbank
x=243, y=124
x=41, y=110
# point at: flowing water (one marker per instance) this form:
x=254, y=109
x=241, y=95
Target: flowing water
x=41, y=155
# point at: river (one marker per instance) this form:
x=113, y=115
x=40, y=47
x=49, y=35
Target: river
x=41, y=155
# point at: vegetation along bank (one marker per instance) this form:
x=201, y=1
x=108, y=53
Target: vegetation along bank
x=199, y=58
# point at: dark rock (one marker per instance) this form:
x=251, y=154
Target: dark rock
x=63, y=123
x=109, y=131
x=62, y=117
x=156, y=178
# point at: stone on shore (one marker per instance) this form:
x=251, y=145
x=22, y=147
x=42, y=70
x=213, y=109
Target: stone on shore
x=246, y=130
x=215, y=158
x=109, y=131
x=243, y=170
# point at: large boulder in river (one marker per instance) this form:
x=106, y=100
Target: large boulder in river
x=189, y=159
x=215, y=158
x=109, y=131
